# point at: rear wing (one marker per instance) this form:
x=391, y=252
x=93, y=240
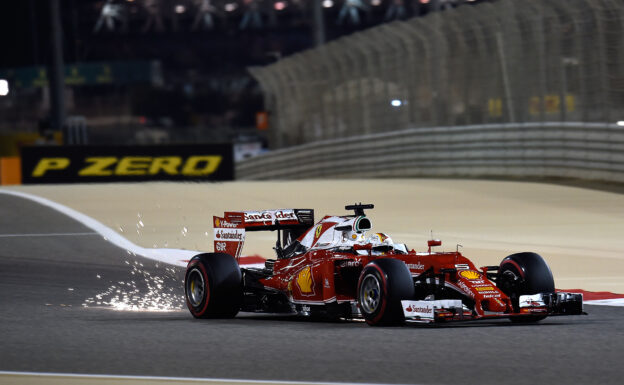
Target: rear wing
x=229, y=230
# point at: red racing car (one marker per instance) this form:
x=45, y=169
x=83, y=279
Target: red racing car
x=331, y=268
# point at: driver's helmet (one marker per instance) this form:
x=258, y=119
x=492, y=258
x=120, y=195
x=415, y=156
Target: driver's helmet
x=380, y=239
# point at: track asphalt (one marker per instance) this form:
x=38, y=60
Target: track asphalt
x=49, y=266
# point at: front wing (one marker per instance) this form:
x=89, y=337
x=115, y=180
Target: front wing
x=541, y=304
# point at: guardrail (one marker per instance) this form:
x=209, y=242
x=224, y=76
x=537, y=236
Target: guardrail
x=592, y=151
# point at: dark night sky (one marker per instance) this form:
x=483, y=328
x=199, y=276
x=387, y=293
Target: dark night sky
x=16, y=32
x=25, y=30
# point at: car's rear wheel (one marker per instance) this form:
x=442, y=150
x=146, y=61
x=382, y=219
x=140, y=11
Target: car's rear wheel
x=213, y=286
x=382, y=285
x=522, y=274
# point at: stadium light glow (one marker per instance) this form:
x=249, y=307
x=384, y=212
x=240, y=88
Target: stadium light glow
x=180, y=8
x=4, y=87
x=328, y=3
x=230, y=7
x=396, y=103
x=279, y=5
x=375, y=3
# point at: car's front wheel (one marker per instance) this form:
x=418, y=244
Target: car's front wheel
x=521, y=274
x=382, y=285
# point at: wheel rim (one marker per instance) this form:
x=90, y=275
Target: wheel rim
x=510, y=283
x=370, y=294
x=195, y=287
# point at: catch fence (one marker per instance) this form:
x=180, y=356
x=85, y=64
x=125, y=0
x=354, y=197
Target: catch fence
x=530, y=61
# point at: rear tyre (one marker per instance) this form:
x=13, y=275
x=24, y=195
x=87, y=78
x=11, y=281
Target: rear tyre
x=213, y=286
x=521, y=274
x=382, y=285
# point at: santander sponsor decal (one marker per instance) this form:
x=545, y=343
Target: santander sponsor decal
x=237, y=235
x=270, y=216
x=283, y=215
x=416, y=266
x=465, y=288
x=254, y=216
x=423, y=310
x=419, y=309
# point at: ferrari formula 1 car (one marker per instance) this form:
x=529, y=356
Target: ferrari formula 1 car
x=332, y=269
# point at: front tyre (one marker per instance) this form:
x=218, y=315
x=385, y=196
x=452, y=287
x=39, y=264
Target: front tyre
x=382, y=285
x=213, y=286
x=522, y=274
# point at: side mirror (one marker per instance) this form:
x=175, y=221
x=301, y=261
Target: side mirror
x=434, y=242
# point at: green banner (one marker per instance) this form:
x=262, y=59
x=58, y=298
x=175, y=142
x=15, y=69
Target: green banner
x=104, y=73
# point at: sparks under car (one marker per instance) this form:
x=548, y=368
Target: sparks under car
x=333, y=268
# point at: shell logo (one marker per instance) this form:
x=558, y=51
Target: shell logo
x=304, y=281
x=217, y=222
x=470, y=274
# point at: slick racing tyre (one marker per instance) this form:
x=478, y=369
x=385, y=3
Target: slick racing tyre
x=521, y=274
x=382, y=285
x=213, y=286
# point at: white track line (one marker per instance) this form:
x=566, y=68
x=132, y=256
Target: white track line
x=46, y=235
x=167, y=379
x=170, y=256
x=606, y=302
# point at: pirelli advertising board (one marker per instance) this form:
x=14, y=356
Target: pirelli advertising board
x=88, y=164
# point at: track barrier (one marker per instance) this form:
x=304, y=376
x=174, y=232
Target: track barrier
x=592, y=151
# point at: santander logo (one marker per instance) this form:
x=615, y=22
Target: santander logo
x=285, y=215
x=419, y=309
x=264, y=216
x=258, y=217
x=229, y=235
